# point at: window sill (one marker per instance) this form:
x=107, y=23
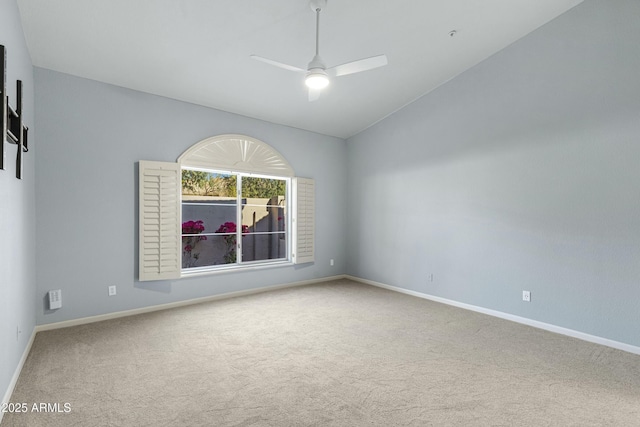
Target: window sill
x=206, y=271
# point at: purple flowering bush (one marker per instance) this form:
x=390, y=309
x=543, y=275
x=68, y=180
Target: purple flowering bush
x=189, y=255
x=229, y=228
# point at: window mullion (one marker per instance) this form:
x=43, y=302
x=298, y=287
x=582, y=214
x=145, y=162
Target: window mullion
x=239, y=219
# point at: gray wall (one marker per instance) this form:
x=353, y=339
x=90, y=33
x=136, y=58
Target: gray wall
x=520, y=174
x=92, y=135
x=17, y=209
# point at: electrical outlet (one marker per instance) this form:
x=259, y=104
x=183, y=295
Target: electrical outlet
x=526, y=296
x=331, y=262
x=431, y=277
x=112, y=290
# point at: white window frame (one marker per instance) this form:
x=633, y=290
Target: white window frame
x=235, y=154
x=240, y=264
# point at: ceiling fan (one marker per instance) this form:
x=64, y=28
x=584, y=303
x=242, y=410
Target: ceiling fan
x=317, y=73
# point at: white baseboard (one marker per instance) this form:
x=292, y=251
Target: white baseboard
x=16, y=373
x=118, y=314
x=523, y=320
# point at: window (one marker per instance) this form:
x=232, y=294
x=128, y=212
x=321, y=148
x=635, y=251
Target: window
x=230, y=201
x=233, y=219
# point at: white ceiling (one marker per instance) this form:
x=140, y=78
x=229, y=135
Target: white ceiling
x=198, y=50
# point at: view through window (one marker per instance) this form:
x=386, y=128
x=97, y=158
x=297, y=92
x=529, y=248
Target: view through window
x=232, y=219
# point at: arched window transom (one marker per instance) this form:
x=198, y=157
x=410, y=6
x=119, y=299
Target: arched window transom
x=237, y=153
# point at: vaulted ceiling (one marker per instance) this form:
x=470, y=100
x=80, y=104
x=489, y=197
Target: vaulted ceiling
x=199, y=50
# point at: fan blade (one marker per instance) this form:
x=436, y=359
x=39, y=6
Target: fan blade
x=359, y=65
x=314, y=94
x=278, y=64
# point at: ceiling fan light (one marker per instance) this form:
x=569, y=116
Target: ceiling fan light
x=317, y=79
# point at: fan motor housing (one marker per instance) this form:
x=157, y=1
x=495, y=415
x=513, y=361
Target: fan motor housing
x=317, y=4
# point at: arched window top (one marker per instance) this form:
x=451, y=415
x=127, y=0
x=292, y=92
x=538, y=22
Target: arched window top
x=237, y=153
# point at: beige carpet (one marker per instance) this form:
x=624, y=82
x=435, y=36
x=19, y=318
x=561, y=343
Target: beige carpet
x=332, y=354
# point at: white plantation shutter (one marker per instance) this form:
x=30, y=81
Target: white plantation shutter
x=303, y=220
x=159, y=221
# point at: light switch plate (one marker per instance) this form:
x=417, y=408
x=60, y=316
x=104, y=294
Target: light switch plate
x=55, y=299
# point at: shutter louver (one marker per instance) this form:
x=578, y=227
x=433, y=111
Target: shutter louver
x=304, y=220
x=159, y=221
